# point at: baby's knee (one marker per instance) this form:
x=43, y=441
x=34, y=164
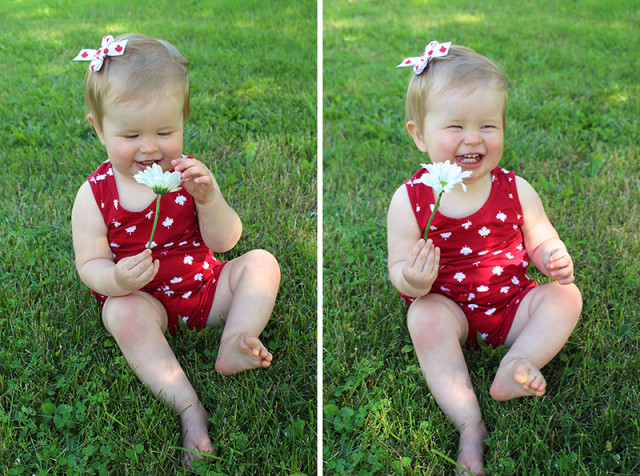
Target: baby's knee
x=432, y=319
x=571, y=299
x=127, y=317
x=265, y=262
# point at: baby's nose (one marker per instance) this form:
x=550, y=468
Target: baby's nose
x=472, y=137
x=148, y=145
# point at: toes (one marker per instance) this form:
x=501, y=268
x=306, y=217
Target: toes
x=521, y=375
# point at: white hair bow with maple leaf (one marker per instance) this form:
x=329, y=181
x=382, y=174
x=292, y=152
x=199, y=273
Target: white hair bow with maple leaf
x=432, y=50
x=109, y=47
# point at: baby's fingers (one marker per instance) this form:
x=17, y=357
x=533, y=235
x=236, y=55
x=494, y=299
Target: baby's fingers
x=413, y=254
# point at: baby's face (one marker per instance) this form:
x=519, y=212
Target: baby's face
x=466, y=127
x=140, y=134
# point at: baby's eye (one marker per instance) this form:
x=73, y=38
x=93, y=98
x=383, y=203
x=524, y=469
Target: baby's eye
x=455, y=126
x=488, y=126
x=131, y=136
x=164, y=134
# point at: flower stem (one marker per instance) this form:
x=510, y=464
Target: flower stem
x=155, y=221
x=426, y=230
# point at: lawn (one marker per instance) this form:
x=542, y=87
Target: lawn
x=572, y=131
x=69, y=404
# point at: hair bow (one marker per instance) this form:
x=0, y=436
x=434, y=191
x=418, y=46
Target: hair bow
x=433, y=50
x=109, y=47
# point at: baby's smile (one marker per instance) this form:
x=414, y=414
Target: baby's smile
x=468, y=159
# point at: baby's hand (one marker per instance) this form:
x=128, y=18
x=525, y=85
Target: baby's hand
x=420, y=269
x=198, y=180
x=135, y=272
x=559, y=266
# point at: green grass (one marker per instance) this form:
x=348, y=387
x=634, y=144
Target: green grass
x=574, y=103
x=68, y=402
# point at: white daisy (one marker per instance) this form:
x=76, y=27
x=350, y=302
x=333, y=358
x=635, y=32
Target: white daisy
x=161, y=182
x=443, y=176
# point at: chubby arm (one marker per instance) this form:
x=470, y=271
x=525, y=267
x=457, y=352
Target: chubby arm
x=94, y=259
x=545, y=249
x=413, y=264
x=220, y=225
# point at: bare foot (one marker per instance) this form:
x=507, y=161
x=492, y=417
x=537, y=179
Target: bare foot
x=195, y=433
x=515, y=378
x=241, y=351
x=471, y=448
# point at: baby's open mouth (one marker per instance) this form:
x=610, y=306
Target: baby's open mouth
x=468, y=159
x=148, y=163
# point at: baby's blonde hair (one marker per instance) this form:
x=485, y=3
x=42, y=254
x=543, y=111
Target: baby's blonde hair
x=462, y=68
x=149, y=68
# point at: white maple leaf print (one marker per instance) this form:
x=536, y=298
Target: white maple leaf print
x=153, y=244
x=182, y=243
x=114, y=245
x=515, y=280
x=482, y=253
x=180, y=199
x=149, y=215
x=196, y=243
x=466, y=250
x=476, y=263
x=115, y=203
x=525, y=264
x=176, y=280
x=473, y=306
x=511, y=196
x=101, y=177
x=466, y=224
x=101, y=204
x=495, y=253
x=484, y=231
x=446, y=290
x=509, y=255
x=205, y=265
x=131, y=229
x=168, y=245
x=116, y=223
x=446, y=236
x=490, y=311
x=167, y=222
x=501, y=216
x=459, y=276
x=497, y=270
x=417, y=208
x=482, y=289
x=188, y=259
x=198, y=277
x=187, y=295
x=504, y=290
x=471, y=296
x=166, y=290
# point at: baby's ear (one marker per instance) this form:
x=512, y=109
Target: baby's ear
x=416, y=134
x=96, y=127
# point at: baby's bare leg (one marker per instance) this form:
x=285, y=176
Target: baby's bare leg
x=137, y=322
x=438, y=327
x=543, y=323
x=246, y=293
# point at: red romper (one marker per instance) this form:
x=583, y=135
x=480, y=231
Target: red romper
x=186, y=281
x=483, y=262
